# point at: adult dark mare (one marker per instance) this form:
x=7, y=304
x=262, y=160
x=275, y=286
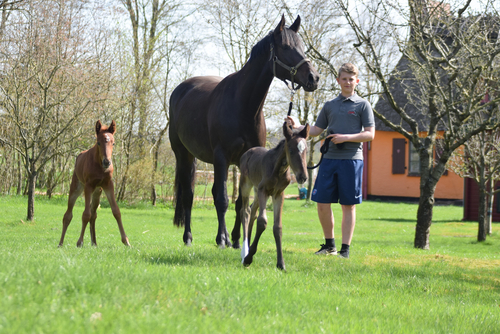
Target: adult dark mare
x=268, y=173
x=93, y=173
x=217, y=119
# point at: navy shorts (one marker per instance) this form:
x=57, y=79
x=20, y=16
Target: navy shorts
x=339, y=181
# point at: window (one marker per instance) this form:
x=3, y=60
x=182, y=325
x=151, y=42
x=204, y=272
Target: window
x=414, y=161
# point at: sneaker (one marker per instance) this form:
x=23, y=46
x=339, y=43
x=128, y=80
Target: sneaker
x=343, y=254
x=325, y=250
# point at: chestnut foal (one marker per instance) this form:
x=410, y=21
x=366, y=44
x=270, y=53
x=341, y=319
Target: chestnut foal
x=93, y=173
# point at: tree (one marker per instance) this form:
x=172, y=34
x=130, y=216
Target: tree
x=449, y=54
x=51, y=79
x=156, y=46
x=480, y=160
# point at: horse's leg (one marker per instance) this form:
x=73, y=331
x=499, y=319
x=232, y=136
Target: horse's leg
x=236, y=233
x=253, y=215
x=185, y=169
x=75, y=191
x=87, y=192
x=219, y=192
x=96, y=197
x=261, y=226
x=277, y=228
x=109, y=190
x=245, y=213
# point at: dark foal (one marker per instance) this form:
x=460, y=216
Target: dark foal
x=93, y=173
x=268, y=172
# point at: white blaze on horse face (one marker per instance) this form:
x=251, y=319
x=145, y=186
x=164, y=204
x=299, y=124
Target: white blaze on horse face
x=106, y=137
x=302, y=145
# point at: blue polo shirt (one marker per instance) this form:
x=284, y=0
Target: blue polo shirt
x=346, y=115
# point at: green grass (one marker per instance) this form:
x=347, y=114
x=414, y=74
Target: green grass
x=161, y=286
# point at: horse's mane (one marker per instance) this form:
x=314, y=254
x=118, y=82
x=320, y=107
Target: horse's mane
x=279, y=147
x=288, y=37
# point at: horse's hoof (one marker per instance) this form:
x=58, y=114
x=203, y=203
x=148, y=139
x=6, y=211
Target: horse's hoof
x=281, y=267
x=187, y=243
x=247, y=261
x=236, y=245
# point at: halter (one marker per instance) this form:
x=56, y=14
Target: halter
x=292, y=70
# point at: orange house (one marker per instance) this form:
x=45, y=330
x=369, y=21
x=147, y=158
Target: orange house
x=390, y=171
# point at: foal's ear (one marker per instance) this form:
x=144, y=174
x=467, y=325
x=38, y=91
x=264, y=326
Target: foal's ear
x=280, y=26
x=296, y=25
x=287, y=131
x=98, y=127
x=112, y=127
x=305, y=132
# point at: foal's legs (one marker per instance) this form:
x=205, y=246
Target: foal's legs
x=109, y=189
x=96, y=196
x=261, y=226
x=75, y=191
x=277, y=228
x=236, y=233
x=87, y=192
x=244, y=213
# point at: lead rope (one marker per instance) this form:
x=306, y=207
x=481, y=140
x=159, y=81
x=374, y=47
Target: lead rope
x=324, y=148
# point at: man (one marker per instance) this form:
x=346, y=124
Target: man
x=349, y=120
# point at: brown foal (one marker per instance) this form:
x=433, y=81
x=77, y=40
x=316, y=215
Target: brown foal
x=93, y=173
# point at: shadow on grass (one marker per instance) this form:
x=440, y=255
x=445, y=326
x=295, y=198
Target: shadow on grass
x=194, y=257
x=414, y=221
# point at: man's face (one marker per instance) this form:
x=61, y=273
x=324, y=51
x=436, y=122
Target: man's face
x=347, y=82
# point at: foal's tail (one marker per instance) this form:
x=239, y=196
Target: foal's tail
x=183, y=191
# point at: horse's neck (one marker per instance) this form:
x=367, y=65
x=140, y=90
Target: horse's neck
x=280, y=163
x=255, y=79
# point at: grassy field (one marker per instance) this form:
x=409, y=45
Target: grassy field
x=160, y=286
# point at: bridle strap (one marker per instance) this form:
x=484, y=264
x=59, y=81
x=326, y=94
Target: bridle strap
x=292, y=69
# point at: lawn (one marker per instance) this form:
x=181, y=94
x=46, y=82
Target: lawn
x=160, y=286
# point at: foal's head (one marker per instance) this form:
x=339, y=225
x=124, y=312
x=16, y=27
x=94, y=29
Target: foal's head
x=105, y=142
x=296, y=151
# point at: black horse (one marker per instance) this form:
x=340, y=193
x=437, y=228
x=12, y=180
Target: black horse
x=218, y=119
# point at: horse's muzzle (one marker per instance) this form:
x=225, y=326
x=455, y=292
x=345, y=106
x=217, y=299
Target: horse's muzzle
x=301, y=178
x=106, y=163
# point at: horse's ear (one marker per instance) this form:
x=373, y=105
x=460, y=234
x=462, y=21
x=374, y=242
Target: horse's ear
x=287, y=131
x=305, y=132
x=296, y=25
x=98, y=127
x=112, y=127
x=280, y=26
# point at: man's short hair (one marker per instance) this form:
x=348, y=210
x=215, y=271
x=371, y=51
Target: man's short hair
x=348, y=68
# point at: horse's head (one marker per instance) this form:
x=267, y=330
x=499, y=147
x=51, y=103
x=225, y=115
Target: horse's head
x=289, y=59
x=296, y=151
x=105, y=142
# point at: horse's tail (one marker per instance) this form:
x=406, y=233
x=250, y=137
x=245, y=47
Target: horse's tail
x=183, y=191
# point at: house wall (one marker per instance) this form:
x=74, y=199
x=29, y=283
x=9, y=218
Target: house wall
x=382, y=181
x=471, y=202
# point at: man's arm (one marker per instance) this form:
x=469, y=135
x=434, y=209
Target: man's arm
x=368, y=134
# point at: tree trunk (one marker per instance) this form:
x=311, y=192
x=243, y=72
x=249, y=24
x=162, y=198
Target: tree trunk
x=235, y=184
x=310, y=172
x=31, y=195
x=426, y=202
x=424, y=220
x=19, y=176
x=482, y=219
x=491, y=198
